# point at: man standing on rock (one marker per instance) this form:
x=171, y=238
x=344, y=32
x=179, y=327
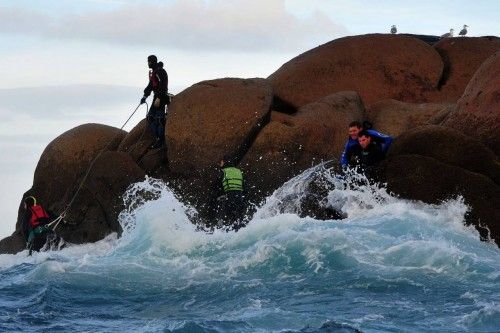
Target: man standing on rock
x=158, y=84
x=355, y=128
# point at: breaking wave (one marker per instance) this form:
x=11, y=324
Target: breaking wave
x=387, y=265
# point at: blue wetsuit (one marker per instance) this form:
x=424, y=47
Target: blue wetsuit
x=385, y=142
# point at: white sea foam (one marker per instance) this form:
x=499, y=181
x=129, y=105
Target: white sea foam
x=383, y=244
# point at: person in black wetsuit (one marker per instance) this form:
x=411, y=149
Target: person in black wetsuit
x=366, y=154
x=355, y=128
x=158, y=84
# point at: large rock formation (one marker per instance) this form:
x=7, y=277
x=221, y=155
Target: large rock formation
x=289, y=144
x=478, y=110
x=208, y=121
x=68, y=157
x=394, y=117
x=424, y=178
x=376, y=66
x=59, y=174
x=451, y=147
x=94, y=215
x=461, y=57
x=215, y=118
x=277, y=127
x=434, y=163
x=137, y=143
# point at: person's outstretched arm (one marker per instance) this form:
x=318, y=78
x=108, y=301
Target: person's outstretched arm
x=344, y=158
x=384, y=140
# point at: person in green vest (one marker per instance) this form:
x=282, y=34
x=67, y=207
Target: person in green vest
x=233, y=205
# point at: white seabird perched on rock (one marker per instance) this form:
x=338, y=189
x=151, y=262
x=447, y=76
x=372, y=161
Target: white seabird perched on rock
x=448, y=34
x=394, y=29
x=463, y=32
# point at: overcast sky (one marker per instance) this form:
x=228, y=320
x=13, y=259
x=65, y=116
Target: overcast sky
x=85, y=61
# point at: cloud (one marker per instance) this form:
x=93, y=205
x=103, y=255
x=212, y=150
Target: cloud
x=243, y=25
x=22, y=21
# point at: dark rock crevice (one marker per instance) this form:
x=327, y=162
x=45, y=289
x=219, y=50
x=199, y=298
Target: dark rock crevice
x=445, y=75
x=283, y=106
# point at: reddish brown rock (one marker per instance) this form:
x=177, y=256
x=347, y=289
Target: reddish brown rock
x=59, y=173
x=424, y=178
x=290, y=144
x=461, y=57
x=436, y=163
x=137, y=143
x=376, y=66
x=478, y=110
x=12, y=244
x=448, y=146
x=68, y=156
x=215, y=118
x=394, y=117
x=94, y=215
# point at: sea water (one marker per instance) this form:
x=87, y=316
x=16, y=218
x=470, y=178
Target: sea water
x=391, y=265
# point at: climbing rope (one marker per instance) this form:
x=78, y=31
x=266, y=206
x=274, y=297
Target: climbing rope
x=58, y=220
x=63, y=214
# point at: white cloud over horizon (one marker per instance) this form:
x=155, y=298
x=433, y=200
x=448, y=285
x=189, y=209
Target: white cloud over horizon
x=243, y=25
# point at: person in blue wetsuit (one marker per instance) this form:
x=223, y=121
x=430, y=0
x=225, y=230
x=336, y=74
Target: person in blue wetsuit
x=355, y=127
x=366, y=154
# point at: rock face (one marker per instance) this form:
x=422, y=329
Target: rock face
x=289, y=144
x=68, y=156
x=137, y=140
x=136, y=144
x=215, y=118
x=93, y=215
x=451, y=147
x=12, y=244
x=478, y=110
x=462, y=57
x=376, y=66
x=432, y=181
x=95, y=212
x=394, y=117
x=206, y=122
x=434, y=163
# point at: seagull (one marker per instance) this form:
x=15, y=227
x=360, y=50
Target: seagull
x=463, y=32
x=449, y=34
x=393, y=29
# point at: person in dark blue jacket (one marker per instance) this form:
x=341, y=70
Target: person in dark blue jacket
x=355, y=127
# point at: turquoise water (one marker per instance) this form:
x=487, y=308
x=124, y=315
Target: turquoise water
x=391, y=265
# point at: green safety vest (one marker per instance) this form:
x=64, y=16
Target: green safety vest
x=233, y=179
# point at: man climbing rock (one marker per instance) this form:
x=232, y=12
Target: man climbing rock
x=233, y=202
x=158, y=84
x=355, y=128
x=366, y=154
x=35, y=225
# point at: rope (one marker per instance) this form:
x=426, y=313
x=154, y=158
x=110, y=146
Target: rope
x=63, y=214
x=57, y=221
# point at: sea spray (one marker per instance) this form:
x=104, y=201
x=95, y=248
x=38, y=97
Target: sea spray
x=388, y=264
